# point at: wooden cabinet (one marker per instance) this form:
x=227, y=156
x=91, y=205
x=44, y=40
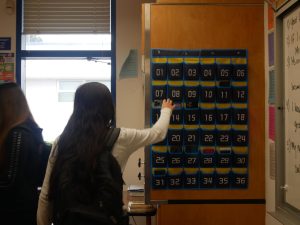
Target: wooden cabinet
x=216, y=26
x=211, y=214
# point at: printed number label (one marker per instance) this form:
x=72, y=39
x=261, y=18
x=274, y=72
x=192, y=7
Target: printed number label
x=224, y=72
x=160, y=160
x=192, y=72
x=159, y=182
x=224, y=160
x=208, y=72
x=192, y=94
x=240, y=180
x=241, y=160
x=224, y=116
x=175, y=72
x=159, y=72
x=208, y=138
x=208, y=95
x=176, y=160
x=176, y=137
x=241, y=116
x=208, y=117
x=175, y=93
x=159, y=93
x=241, y=138
x=191, y=160
x=223, y=180
x=191, y=180
x=224, y=138
x=223, y=95
x=191, y=117
x=176, y=117
x=175, y=182
x=191, y=138
x=207, y=180
x=240, y=73
x=208, y=160
x=240, y=95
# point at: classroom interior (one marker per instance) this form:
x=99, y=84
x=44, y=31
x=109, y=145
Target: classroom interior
x=254, y=25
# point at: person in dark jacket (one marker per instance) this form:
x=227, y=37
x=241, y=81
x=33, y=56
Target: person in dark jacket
x=20, y=146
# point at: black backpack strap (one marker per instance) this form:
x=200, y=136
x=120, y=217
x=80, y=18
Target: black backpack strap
x=111, y=138
x=44, y=150
x=14, y=156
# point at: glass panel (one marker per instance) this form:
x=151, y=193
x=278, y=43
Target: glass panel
x=67, y=42
x=68, y=85
x=66, y=96
x=43, y=88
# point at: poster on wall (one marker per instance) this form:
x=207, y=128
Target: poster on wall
x=7, y=67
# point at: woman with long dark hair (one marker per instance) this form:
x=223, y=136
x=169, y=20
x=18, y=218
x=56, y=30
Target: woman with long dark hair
x=20, y=141
x=74, y=155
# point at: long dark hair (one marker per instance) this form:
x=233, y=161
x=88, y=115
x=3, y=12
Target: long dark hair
x=83, y=137
x=14, y=110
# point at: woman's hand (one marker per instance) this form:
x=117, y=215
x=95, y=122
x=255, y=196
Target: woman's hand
x=167, y=103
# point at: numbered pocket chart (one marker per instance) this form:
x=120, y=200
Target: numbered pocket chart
x=207, y=141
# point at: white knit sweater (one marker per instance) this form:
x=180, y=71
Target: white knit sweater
x=128, y=141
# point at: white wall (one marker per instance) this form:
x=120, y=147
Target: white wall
x=130, y=93
x=270, y=220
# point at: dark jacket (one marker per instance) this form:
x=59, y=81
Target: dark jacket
x=20, y=180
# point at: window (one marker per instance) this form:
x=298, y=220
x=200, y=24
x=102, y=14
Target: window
x=62, y=44
x=67, y=42
x=66, y=89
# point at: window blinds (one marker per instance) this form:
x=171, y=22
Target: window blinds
x=66, y=17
